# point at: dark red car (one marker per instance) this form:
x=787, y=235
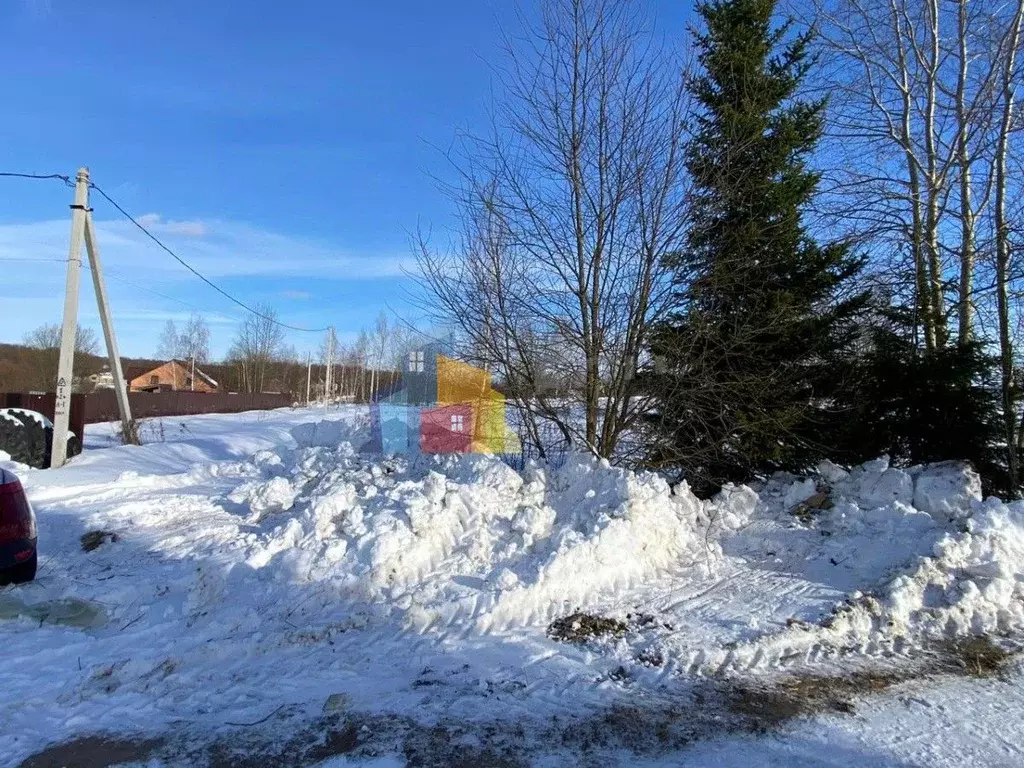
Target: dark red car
x=17, y=532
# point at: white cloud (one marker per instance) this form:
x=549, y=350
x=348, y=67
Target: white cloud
x=155, y=224
x=245, y=260
x=187, y=228
x=215, y=248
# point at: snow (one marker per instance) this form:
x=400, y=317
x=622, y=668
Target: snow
x=37, y=417
x=946, y=490
x=264, y=566
x=937, y=722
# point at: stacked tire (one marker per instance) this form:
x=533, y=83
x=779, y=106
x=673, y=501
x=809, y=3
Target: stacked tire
x=28, y=437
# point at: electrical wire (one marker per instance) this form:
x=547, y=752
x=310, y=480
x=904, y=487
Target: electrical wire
x=65, y=179
x=118, y=279
x=155, y=239
x=199, y=274
x=29, y=258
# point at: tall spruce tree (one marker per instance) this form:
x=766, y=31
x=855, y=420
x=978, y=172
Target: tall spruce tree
x=747, y=367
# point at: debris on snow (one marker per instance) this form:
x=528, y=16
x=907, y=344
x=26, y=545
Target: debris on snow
x=980, y=655
x=94, y=539
x=581, y=627
x=337, y=702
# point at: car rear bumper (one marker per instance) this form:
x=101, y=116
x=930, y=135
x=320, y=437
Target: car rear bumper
x=15, y=552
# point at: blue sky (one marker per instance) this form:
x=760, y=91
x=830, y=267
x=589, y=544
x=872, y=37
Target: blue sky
x=288, y=149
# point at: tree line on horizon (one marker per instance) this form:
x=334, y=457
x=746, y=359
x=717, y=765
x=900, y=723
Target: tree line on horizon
x=260, y=358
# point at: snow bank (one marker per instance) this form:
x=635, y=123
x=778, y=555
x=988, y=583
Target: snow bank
x=972, y=579
x=265, y=560
x=467, y=538
x=972, y=584
x=468, y=541
x=932, y=561
x=634, y=529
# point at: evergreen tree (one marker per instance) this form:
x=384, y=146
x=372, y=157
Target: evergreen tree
x=747, y=368
x=921, y=406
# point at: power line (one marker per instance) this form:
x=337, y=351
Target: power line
x=65, y=179
x=155, y=239
x=120, y=279
x=28, y=258
x=196, y=272
x=117, y=278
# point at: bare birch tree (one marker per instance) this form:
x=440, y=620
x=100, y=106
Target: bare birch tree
x=259, y=342
x=925, y=107
x=1008, y=81
x=914, y=104
x=170, y=344
x=329, y=354
x=195, y=339
x=568, y=210
x=360, y=355
x=379, y=341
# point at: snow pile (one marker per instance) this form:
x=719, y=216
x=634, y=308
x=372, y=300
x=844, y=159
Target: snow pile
x=264, y=497
x=467, y=538
x=637, y=529
x=944, y=491
x=920, y=555
x=467, y=541
x=267, y=561
x=972, y=580
x=972, y=584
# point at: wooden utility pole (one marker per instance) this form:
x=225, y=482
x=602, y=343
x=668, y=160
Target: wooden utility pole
x=82, y=228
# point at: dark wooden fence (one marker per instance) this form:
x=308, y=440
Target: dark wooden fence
x=102, y=405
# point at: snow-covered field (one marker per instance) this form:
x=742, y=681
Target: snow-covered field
x=271, y=591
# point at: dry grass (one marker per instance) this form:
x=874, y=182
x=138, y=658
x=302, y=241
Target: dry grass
x=713, y=708
x=978, y=656
x=771, y=704
x=768, y=706
x=130, y=432
x=94, y=752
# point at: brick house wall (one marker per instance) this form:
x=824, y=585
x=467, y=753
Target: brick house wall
x=174, y=375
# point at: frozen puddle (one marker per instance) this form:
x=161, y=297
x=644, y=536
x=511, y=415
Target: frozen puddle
x=69, y=612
